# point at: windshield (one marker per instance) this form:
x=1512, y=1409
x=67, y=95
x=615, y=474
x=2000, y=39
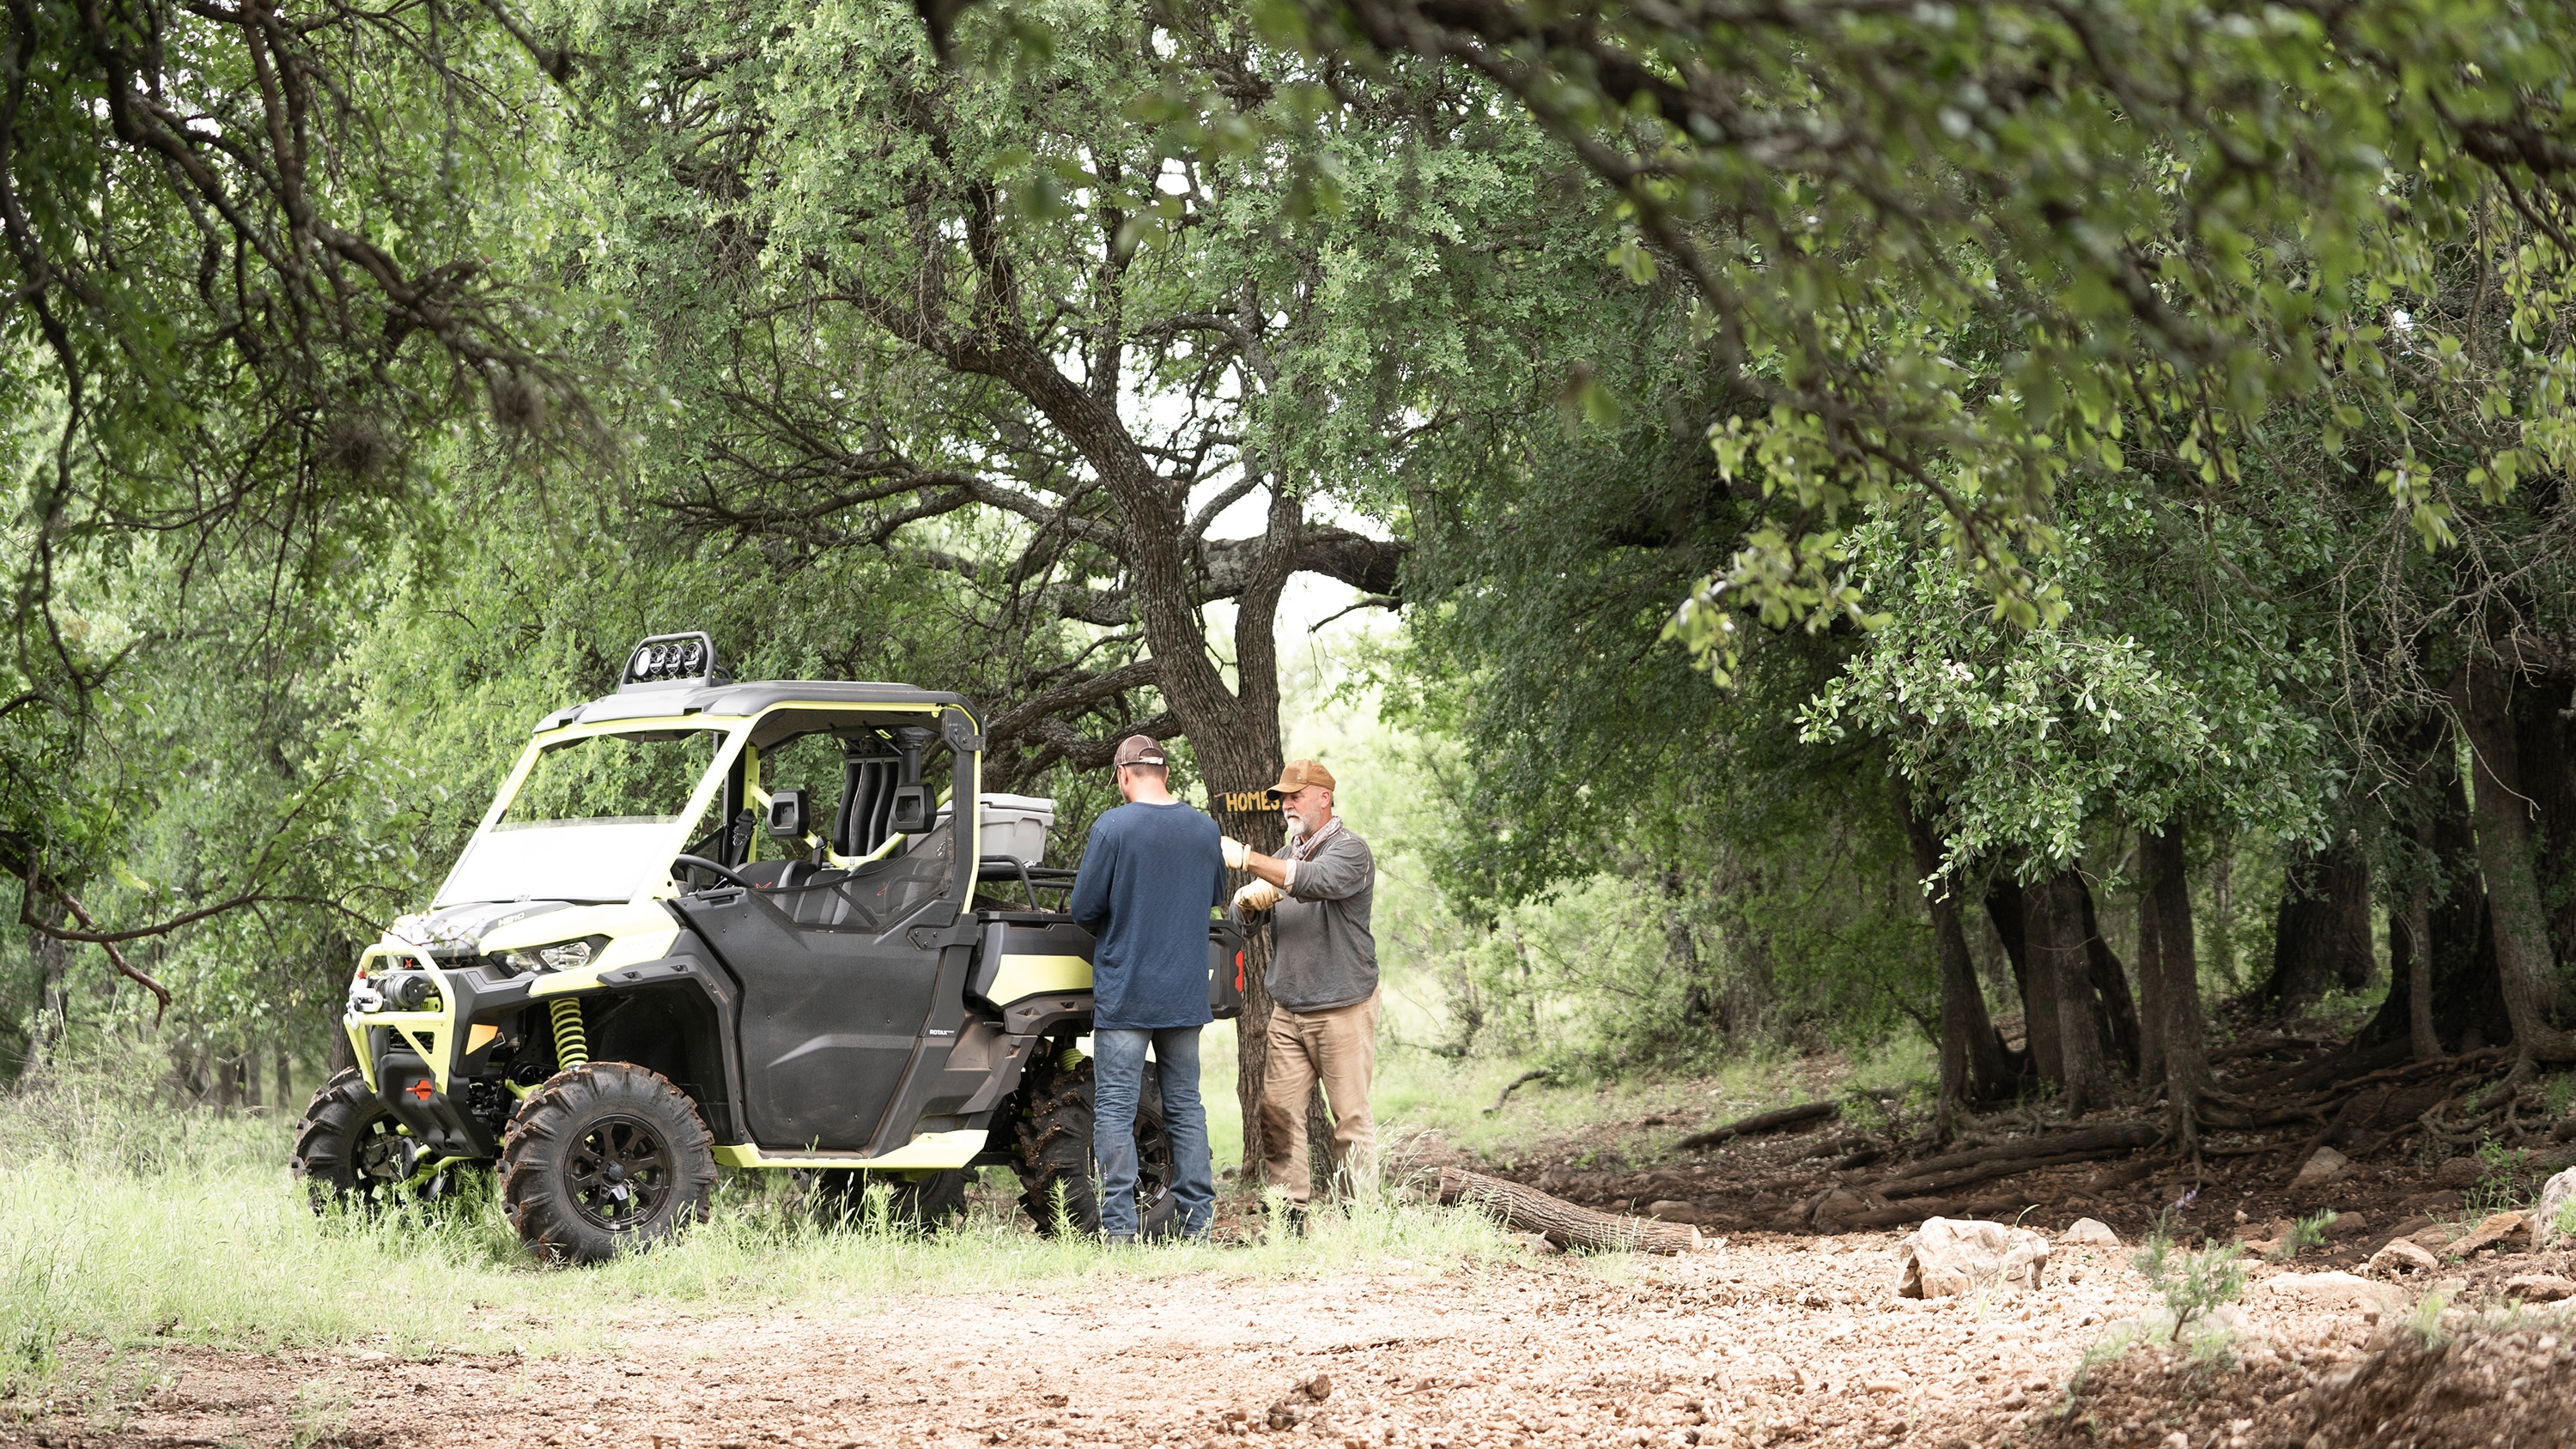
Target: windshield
x=597, y=819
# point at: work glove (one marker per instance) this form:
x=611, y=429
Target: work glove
x=1236, y=852
x=1255, y=897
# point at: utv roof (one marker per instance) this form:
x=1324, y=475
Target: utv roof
x=637, y=701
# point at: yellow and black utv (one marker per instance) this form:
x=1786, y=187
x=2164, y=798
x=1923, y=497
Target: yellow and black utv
x=708, y=922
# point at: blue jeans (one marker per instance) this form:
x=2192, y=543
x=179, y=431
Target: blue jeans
x=1118, y=1078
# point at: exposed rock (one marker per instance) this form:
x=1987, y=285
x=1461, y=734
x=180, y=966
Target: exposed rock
x=2540, y=1287
x=2459, y=1172
x=1841, y=1206
x=2435, y=1240
x=2329, y=1290
x=1945, y=1257
x=2549, y=1219
x=2401, y=1257
x=2429, y=1202
x=2499, y=1230
x=2347, y=1225
x=2090, y=1230
x=2323, y=1166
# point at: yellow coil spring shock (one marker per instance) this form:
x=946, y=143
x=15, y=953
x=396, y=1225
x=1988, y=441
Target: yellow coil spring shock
x=572, y=1044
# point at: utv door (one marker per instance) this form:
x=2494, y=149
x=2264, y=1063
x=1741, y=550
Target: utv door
x=839, y=973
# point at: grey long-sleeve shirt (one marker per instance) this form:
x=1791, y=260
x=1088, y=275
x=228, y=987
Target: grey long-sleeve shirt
x=1322, y=955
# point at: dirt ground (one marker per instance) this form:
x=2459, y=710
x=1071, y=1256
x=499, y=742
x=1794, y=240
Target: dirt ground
x=1765, y=1341
x=1786, y=1331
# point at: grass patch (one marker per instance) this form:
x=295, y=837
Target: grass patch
x=130, y=1225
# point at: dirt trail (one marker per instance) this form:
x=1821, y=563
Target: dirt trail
x=1762, y=1342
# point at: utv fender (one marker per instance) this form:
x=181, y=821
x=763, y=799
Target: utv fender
x=691, y=975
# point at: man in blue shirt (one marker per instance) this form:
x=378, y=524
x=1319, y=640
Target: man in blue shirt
x=1150, y=874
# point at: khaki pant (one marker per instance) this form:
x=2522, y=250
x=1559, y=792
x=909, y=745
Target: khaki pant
x=1339, y=1046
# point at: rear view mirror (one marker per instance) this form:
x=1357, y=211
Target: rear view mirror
x=790, y=818
x=911, y=814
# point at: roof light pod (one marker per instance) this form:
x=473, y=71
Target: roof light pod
x=667, y=659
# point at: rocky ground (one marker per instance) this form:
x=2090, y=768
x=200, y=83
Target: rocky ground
x=1766, y=1340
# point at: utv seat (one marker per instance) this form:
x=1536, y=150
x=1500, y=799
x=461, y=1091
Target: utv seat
x=875, y=896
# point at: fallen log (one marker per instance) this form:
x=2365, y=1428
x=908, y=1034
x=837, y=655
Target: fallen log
x=1561, y=1222
x=1761, y=1122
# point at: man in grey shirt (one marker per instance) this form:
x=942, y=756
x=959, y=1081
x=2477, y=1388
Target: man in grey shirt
x=1322, y=981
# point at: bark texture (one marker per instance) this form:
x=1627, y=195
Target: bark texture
x=1973, y=1067
x=2060, y=966
x=2526, y=966
x=2321, y=935
x=2168, y=899
x=1561, y=1222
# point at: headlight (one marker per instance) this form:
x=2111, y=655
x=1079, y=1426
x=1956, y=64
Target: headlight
x=560, y=956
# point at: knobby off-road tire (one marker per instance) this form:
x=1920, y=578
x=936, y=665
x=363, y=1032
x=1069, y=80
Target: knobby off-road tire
x=347, y=1148
x=928, y=1201
x=1054, y=1153
x=604, y=1159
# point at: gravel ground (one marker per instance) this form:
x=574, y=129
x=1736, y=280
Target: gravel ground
x=1766, y=1340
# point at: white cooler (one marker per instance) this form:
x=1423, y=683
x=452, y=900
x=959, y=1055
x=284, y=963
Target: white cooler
x=1012, y=825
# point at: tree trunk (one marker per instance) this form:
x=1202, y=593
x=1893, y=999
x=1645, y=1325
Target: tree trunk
x=2168, y=895
x=2059, y=968
x=2115, y=1011
x=2008, y=906
x=2546, y=754
x=2222, y=913
x=2526, y=967
x=2321, y=932
x=2410, y=968
x=1972, y=1055
x=2151, y=984
x=2453, y=980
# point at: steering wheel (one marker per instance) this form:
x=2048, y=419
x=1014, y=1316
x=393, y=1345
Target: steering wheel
x=720, y=872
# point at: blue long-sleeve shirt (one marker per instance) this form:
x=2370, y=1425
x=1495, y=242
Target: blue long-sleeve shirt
x=1148, y=877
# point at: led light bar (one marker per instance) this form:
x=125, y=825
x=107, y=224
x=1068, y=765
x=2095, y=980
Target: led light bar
x=673, y=659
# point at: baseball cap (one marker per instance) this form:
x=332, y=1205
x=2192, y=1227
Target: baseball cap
x=1141, y=750
x=1299, y=774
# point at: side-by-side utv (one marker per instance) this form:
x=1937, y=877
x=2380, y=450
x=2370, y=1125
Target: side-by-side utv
x=708, y=922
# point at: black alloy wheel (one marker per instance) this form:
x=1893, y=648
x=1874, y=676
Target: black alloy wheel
x=604, y=1159
x=620, y=1173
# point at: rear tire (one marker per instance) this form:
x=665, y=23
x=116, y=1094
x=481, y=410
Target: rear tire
x=348, y=1148
x=1054, y=1156
x=927, y=1201
x=603, y=1159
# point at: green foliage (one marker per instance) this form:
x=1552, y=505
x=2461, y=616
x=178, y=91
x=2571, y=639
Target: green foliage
x=130, y=1223
x=1965, y=257
x=2504, y=1179
x=2192, y=1281
x=2308, y=1232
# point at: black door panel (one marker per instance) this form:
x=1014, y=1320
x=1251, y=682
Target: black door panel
x=830, y=1018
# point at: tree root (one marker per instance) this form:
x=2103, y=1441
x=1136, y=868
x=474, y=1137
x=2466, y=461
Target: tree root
x=1761, y=1122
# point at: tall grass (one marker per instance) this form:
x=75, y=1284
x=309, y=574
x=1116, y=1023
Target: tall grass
x=126, y=1223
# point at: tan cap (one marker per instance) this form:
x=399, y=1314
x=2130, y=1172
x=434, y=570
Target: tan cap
x=1142, y=750
x=1299, y=774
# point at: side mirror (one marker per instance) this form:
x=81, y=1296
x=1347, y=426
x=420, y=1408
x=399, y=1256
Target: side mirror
x=790, y=818
x=911, y=813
